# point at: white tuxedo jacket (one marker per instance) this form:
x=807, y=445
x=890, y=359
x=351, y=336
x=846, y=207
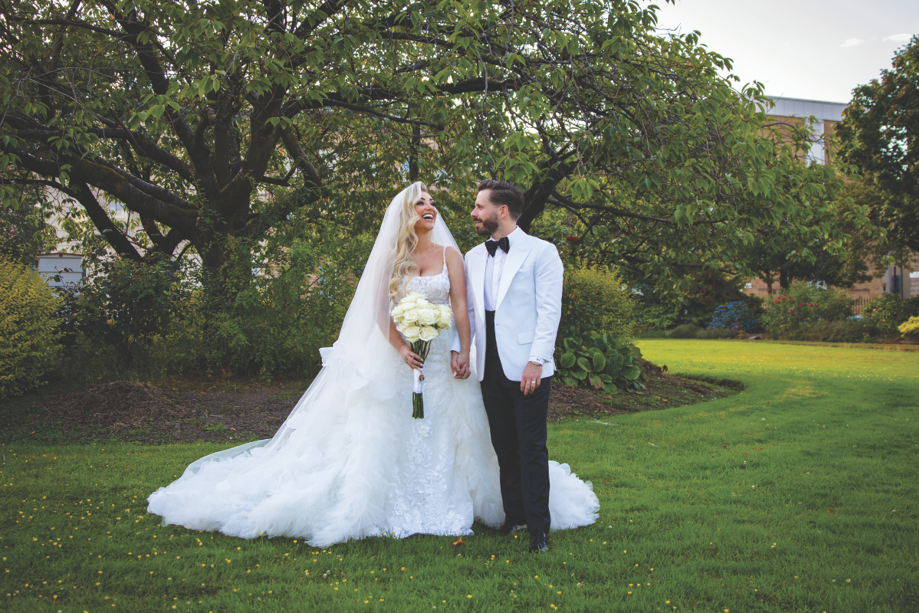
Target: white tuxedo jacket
x=528, y=306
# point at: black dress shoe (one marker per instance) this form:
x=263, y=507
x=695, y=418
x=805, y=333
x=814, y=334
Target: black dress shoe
x=539, y=542
x=508, y=528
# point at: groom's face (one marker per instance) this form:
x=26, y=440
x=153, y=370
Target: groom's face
x=485, y=214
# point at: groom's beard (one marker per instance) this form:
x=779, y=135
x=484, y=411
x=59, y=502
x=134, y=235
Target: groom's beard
x=489, y=226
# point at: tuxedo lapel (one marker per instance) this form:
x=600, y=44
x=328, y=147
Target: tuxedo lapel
x=515, y=259
x=477, y=259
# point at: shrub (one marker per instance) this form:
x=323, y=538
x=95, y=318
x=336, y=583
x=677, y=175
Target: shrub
x=706, y=289
x=651, y=315
x=888, y=311
x=596, y=300
x=122, y=306
x=29, y=340
x=803, y=304
x=599, y=361
x=910, y=328
x=684, y=331
x=739, y=315
x=269, y=325
x=711, y=333
x=849, y=331
x=267, y=314
x=652, y=334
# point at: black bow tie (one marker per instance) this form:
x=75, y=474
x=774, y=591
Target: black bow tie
x=492, y=245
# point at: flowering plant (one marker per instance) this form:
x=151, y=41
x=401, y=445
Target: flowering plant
x=420, y=322
x=738, y=316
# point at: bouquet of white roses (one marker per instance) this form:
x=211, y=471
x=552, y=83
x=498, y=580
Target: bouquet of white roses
x=420, y=322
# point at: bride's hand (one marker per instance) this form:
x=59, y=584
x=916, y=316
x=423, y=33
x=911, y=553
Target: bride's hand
x=460, y=364
x=413, y=360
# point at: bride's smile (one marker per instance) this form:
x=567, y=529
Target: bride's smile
x=426, y=211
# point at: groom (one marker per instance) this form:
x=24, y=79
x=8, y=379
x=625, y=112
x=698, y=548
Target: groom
x=514, y=292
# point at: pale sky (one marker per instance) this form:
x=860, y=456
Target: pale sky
x=811, y=49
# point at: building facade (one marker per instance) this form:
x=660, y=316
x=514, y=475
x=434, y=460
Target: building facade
x=822, y=117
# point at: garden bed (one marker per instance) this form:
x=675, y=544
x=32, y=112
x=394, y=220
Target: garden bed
x=192, y=410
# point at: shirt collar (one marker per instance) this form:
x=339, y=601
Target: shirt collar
x=515, y=236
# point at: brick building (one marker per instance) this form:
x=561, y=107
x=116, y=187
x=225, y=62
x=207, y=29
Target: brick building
x=903, y=278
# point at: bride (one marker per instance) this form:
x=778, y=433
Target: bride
x=350, y=461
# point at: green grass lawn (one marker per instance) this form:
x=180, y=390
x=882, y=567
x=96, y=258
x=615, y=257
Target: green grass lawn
x=798, y=494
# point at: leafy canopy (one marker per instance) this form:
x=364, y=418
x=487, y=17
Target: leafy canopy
x=878, y=138
x=219, y=120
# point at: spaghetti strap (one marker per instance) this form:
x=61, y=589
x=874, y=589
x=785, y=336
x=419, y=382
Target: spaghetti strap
x=445, y=257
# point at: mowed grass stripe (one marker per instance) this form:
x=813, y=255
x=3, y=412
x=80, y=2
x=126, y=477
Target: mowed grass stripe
x=797, y=494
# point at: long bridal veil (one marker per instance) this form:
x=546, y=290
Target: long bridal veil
x=348, y=406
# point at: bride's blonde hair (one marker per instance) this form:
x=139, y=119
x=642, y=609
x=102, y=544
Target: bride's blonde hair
x=404, y=265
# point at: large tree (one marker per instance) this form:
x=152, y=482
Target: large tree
x=217, y=120
x=879, y=138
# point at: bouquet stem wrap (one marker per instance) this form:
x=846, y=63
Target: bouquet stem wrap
x=420, y=322
x=422, y=348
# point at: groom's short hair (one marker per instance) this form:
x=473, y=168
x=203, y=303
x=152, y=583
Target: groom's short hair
x=506, y=194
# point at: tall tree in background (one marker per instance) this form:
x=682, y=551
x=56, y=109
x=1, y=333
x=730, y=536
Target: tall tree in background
x=214, y=121
x=879, y=138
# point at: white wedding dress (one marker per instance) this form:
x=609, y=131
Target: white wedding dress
x=350, y=461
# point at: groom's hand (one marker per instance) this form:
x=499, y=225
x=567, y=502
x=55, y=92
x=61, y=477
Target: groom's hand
x=532, y=376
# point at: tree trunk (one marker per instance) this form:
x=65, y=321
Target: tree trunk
x=784, y=279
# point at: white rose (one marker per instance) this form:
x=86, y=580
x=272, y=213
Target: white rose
x=445, y=317
x=428, y=333
x=410, y=299
x=397, y=312
x=410, y=316
x=427, y=317
x=422, y=303
x=411, y=333
x=400, y=327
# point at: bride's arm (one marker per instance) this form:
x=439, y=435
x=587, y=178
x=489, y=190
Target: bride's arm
x=412, y=359
x=458, y=302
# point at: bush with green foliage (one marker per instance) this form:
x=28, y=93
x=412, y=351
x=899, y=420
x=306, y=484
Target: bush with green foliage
x=888, y=311
x=29, y=339
x=847, y=331
x=684, y=331
x=599, y=360
x=273, y=306
x=693, y=304
x=596, y=300
x=804, y=304
x=657, y=315
x=271, y=325
x=121, y=307
x=910, y=328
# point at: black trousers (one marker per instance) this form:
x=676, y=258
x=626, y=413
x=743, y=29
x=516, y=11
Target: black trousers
x=518, y=435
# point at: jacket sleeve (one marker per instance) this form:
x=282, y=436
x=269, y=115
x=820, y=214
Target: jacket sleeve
x=470, y=306
x=549, y=282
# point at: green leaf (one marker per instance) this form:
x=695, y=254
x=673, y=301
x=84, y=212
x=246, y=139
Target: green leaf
x=584, y=363
x=614, y=363
x=631, y=373
x=568, y=360
x=599, y=362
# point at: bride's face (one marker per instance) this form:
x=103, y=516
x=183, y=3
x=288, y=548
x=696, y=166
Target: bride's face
x=426, y=211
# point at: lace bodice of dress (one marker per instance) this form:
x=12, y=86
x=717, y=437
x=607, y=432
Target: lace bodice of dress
x=436, y=288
